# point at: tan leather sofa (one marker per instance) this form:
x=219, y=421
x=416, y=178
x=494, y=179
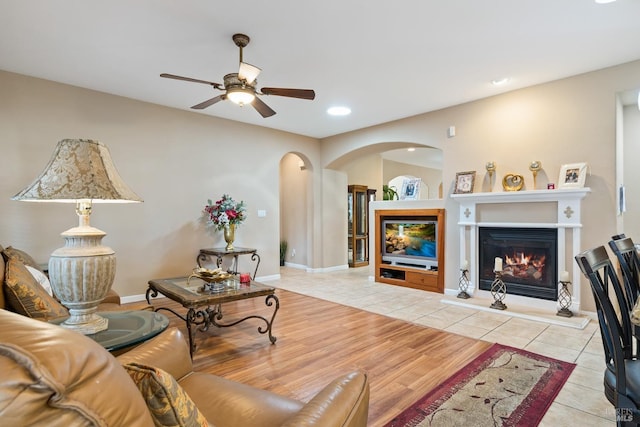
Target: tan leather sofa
x=55, y=377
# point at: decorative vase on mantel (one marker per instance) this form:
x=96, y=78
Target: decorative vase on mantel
x=229, y=236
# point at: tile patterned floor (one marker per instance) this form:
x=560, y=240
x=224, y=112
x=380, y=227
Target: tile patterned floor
x=580, y=402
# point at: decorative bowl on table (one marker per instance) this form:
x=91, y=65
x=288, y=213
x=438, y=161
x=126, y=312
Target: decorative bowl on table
x=213, y=278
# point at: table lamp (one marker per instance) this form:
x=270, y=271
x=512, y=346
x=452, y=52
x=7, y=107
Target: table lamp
x=81, y=273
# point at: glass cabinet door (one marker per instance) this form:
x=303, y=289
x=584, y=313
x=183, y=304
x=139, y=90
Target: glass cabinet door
x=361, y=213
x=360, y=252
x=358, y=224
x=350, y=226
x=350, y=213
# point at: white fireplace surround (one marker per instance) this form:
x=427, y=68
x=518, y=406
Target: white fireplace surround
x=567, y=217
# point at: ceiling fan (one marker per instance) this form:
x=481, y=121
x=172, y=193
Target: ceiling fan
x=240, y=87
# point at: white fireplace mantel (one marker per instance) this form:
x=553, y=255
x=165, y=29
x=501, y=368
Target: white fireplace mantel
x=568, y=216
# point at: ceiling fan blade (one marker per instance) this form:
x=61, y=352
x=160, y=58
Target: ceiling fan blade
x=291, y=93
x=189, y=79
x=262, y=108
x=248, y=72
x=208, y=102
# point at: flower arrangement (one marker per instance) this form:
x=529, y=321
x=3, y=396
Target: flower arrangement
x=224, y=212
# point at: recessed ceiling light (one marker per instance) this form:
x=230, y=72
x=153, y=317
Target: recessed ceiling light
x=411, y=149
x=604, y=1
x=339, y=111
x=500, y=82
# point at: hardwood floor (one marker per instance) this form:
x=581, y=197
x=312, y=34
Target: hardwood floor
x=318, y=340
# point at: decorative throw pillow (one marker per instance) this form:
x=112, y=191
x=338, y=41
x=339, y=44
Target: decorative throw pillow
x=168, y=403
x=41, y=278
x=21, y=256
x=25, y=295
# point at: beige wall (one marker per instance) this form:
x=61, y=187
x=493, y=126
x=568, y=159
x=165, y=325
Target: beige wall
x=175, y=160
x=334, y=220
x=631, y=158
x=366, y=170
x=566, y=121
x=293, y=209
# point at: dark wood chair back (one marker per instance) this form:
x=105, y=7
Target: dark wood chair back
x=615, y=327
x=627, y=255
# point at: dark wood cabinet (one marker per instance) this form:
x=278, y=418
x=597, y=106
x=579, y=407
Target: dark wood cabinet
x=358, y=197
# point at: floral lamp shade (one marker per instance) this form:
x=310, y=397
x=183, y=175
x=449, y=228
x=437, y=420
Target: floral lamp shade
x=79, y=169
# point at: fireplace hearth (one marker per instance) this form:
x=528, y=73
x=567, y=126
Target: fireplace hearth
x=529, y=260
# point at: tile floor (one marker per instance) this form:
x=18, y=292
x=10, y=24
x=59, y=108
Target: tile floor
x=580, y=402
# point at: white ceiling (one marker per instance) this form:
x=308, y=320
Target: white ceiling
x=385, y=60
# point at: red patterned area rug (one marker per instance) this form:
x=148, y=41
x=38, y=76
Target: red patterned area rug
x=504, y=386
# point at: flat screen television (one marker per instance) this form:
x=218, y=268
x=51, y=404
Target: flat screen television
x=410, y=242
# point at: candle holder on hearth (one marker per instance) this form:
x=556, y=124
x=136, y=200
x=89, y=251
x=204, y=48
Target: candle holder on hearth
x=564, y=299
x=498, y=292
x=463, y=284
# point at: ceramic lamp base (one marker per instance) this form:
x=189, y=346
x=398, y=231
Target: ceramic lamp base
x=81, y=274
x=85, y=322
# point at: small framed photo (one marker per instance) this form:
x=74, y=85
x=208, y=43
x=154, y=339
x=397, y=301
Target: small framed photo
x=572, y=175
x=464, y=182
x=410, y=189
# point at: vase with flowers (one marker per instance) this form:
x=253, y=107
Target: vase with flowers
x=225, y=214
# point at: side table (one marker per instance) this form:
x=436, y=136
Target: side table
x=127, y=328
x=220, y=253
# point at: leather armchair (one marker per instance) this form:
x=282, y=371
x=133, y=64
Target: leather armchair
x=56, y=377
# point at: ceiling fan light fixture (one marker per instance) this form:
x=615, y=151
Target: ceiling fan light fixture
x=240, y=96
x=248, y=72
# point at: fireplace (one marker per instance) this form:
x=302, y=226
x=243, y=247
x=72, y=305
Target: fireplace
x=559, y=210
x=529, y=260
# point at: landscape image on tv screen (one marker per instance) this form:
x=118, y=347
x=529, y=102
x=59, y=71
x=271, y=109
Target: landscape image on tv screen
x=412, y=239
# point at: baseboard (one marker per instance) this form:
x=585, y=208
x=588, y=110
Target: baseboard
x=317, y=270
x=267, y=278
x=136, y=298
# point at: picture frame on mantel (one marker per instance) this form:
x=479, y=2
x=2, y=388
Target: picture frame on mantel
x=572, y=175
x=464, y=182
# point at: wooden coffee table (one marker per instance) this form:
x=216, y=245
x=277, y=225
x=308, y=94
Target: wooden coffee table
x=204, y=306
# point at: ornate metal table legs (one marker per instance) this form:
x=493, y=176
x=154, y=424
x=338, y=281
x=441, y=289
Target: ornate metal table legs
x=233, y=269
x=211, y=315
x=215, y=314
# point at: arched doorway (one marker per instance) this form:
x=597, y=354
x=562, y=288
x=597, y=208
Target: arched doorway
x=295, y=230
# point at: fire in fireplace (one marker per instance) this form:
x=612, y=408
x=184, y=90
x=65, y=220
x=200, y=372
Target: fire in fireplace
x=529, y=260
